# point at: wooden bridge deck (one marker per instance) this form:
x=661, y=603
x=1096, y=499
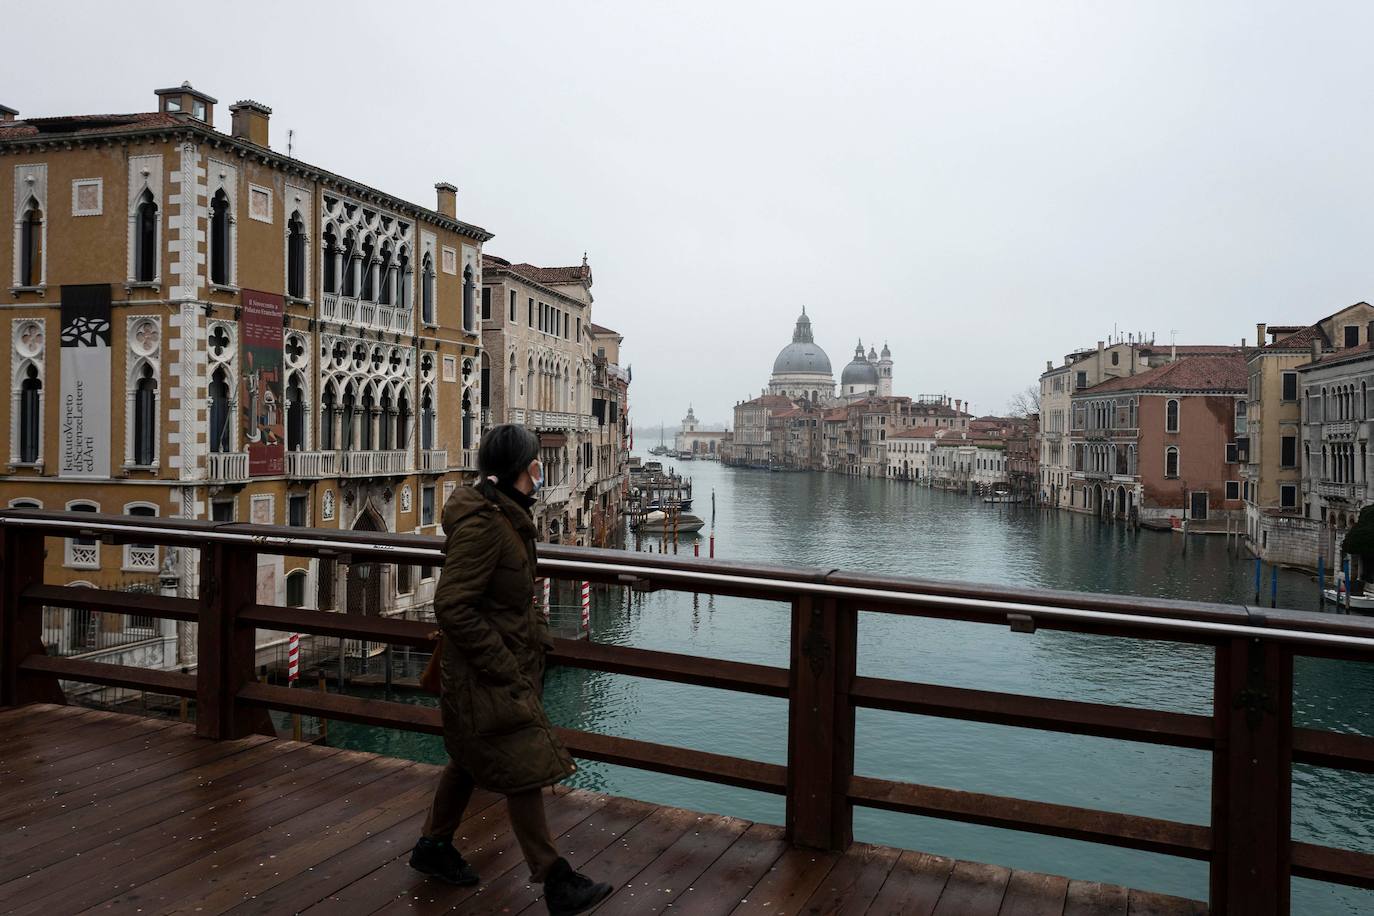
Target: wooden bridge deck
x=113, y=812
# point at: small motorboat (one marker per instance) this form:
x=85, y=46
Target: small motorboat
x=1000, y=496
x=1356, y=602
x=662, y=522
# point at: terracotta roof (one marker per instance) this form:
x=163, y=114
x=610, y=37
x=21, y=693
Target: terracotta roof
x=1301, y=339
x=601, y=330
x=1199, y=373
x=72, y=125
x=836, y=413
x=920, y=432
x=554, y=275
x=1360, y=351
x=768, y=400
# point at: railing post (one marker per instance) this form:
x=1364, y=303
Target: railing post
x=21, y=561
x=1252, y=778
x=820, y=734
x=225, y=651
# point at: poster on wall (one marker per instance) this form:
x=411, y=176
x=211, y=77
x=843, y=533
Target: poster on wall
x=84, y=415
x=260, y=391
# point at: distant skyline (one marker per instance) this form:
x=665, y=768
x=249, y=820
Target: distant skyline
x=983, y=186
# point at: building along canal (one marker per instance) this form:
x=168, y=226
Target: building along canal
x=893, y=527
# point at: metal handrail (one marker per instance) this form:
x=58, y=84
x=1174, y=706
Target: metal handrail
x=687, y=573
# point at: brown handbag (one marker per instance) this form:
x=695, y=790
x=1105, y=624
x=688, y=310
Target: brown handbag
x=431, y=679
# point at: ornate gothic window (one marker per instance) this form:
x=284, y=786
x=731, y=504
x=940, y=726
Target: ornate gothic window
x=145, y=417
x=331, y=267
x=427, y=290
x=427, y=419
x=295, y=256
x=220, y=414
x=31, y=244
x=328, y=414
x=220, y=247
x=145, y=239
x=403, y=420
x=350, y=265
x=295, y=413
x=30, y=415
x=469, y=305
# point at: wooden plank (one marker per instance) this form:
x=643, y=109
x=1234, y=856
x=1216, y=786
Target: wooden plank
x=914, y=886
x=59, y=737
x=1339, y=866
x=40, y=774
x=730, y=878
x=820, y=724
x=787, y=885
x=1089, y=898
x=384, y=713
x=111, y=602
x=1128, y=830
x=973, y=889
x=488, y=844
x=107, y=813
x=853, y=884
x=224, y=871
x=766, y=680
x=1125, y=723
x=613, y=854
x=35, y=717
x=1031, y=894
x=113, y=868
x=21, y=634
x=153, y=680
x=348, y=626
x=1144, y=903
x=114, y=778
x=225, y=650
x=1330, y=749
x=677, y=761
x=667, y=880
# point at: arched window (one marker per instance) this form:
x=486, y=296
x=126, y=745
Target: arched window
x=404, y=277
x=467, y=420
x=469, y=300
x=83, y=552
x=1171, y=461
x=219, y=411
x=350, y=264
x=141, y=557
x=145, y=417
x=386, y=422
x=1171, y=416
x=427, y=290
x=220, y=269
x=328, y=413
x=346, y=433
x=388, y=282
x=369, y=413
x=295, y=588
x=31, y=245
x=295, y=414
x=331, y=267
x=427, y=420
x=30, y=414
x=369, y=268
x=403, y=420
x=295, y=256
x=145, y=239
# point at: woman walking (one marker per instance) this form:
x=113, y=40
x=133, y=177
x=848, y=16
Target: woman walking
x=494, y=642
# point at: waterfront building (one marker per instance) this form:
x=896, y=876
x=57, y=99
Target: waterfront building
x=1281, y=524
x=1161, y=444
x=795, y=436
x=802, y=368
x=967, y=462
x=752, y=443
x=1023, y=458
x=537, y=331
x=203, y=327
x=1336, y=389
x=909, y=450
x=699, y=440
x=612, y=438
x=940, y=411
x=1081, y=370
x=868, y=375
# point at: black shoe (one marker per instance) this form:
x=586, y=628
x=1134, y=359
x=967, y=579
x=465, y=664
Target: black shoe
x=566, y=892
x=438, y=859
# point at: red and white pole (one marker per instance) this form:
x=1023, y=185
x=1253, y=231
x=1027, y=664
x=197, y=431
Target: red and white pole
x=546, y=597
x=587, y=609
x=293, y=658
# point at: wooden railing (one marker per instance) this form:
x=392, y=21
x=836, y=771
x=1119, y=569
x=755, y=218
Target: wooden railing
x=1250, y=733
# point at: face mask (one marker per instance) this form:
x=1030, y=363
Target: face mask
x=538, y=482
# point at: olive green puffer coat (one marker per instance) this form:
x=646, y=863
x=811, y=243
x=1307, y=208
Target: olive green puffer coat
x=494, y=644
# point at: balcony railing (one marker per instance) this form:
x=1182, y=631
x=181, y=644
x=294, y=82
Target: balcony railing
x=1248, y=731
x=550, y=419
x=1351, y=492
x=312, y=465
x=434, y=460
x=1338, y=428
x=371, y=315
x=226, y=467
x=374, y=464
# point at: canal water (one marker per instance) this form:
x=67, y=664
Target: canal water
x=899, y=528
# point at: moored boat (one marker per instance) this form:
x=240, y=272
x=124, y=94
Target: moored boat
x=661, y=522
x=1357, y=602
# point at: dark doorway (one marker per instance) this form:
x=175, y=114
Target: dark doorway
x=1199, y=506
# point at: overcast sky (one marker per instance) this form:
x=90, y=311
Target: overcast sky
x=983, y=186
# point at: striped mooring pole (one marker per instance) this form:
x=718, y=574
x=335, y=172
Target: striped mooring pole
x=293, y=658
x=546, y=597
x=587, y=609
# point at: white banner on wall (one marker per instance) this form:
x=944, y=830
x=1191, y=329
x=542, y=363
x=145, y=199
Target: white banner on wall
x=84, y=412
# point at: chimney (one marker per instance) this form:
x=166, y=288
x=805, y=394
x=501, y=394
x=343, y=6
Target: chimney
x=1260, y=328
x=1316, y=350
x=448, y=199
x=1049, y=365
x=186, y=99
x=250, y=121
x=8, y=114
